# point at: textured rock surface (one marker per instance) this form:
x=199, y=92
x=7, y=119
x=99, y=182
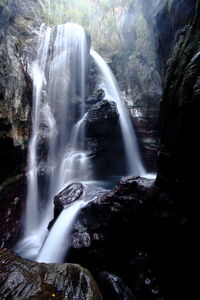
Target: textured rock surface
x=170, y=19
x=110, y=235
x=17, y=41
x=103, y=137
x=101, y=119
x=22, y=279
x=70, y=194
x=179, y=155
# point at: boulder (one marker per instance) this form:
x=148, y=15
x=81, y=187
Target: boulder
x=70, y=194
x=101, y=119
x=103, y=139
x=110, y=234
x=114, y=210
x=22, y=279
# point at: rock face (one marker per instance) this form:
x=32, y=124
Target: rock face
x=101, y=119
x=179, y=153
x=170, y=19
x=17, y=41
x=22, y=279
x=19, y=20
x=103, y=137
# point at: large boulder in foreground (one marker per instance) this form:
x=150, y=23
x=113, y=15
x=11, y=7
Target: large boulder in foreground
x=22, y=279
x=111, y=235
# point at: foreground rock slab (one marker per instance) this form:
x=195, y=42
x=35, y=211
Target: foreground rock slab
x=23, y=279
x=67, y=196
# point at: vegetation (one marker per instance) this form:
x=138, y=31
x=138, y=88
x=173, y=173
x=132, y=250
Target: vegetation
x=103, y=19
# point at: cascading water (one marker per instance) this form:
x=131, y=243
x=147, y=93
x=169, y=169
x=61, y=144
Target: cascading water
x=110, y=86
x=56, y=148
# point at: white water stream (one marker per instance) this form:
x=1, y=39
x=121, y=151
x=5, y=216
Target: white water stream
x=55, y=246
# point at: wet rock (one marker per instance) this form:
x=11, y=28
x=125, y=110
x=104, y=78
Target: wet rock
x=101, y=119
x=103, y=138
x=70, y=194
x=18, y=38
x=95, y=97
x=124, y=202
x=23, y=279
x=109, y=236
x=12, y=204
x=113, y=287
x=146, y=122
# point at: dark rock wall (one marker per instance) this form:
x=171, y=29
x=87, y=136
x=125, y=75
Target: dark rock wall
x=19, y=21
x=180, y=106
x=170, y=19
x=178, y=253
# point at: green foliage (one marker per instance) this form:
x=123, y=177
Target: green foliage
x=103, y=19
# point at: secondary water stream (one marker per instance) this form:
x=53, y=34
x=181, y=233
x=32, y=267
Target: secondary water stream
x=133, y=158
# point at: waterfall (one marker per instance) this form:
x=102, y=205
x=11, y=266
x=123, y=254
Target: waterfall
x=134, y=162
x=57, y=155
x=56, y=148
